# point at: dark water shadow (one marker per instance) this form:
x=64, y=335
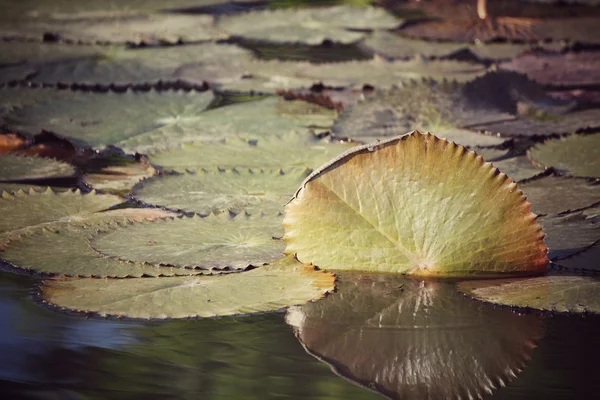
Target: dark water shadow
x=412, y=339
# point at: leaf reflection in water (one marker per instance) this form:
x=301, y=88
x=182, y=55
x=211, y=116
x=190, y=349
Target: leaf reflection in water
x=414, y=339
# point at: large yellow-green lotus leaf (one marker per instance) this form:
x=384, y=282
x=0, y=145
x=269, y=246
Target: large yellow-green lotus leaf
x=562, y=293
x=15, y=168
x=283, y=283
x=414, y=204
x=216, y=241
x=574, y=155
x=236, y=190
x=67, y=251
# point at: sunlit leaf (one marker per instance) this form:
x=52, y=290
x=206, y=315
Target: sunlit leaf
x=281, y=284
x=414, y=204
x=277, y=151
x=68, y=252
x=260, y=118
x=120, y=178
x=216, y=241
x=100, y=119
x=342, y=24
x=569, y=234
x=574, y=294
x=410, y=339
x=555, y=194
x=574, y=155
x=13, y=167
x=236, y=190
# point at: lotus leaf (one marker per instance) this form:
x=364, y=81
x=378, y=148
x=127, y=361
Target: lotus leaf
x=556, y=194
x=14, y=168
x=120, y=177
x=414, y=204
x=574, y=155
x=567, y=235
x=574, y=294
x=281, y=284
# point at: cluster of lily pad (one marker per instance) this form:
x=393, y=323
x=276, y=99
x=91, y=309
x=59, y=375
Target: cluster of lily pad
x=175, y=149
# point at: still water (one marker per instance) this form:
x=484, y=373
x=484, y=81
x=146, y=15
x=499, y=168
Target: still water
x=45, y=354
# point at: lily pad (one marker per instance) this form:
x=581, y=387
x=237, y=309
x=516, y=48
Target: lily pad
x=587, y=261
x=212, y=191
x=99, y=119
x=67, y=252
x=572, y=294
x=124, y=66
x=518, y=168
x=558, y=69
x=15, y=168
x=556, y=194
x=216, y=241
x=577, y=155
x=120, y=178
x=23, y=212
x=281, y=284
x=341, y=24
x=278, y=151
x=410, y=339
x=569, y=234
x=256, y=118
x=425, y=105
x=148, y=29
x=414, y=204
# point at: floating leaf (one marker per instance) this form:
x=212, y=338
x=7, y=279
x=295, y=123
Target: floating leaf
x=426, y=105
x=342, y=24
x=391, y=45
x=558, y=69
x=574, y=294
x=148, y=29
x=585, y=261
x=281, y=284
x=262, y=117
x=278, y=151
x=121, y=177
x=206, y=192
x=518, y=168
x=569, y=234
x=67, y=252
x=100, y=119
x=409, y=339
x=555, y=194
x=216, y=241
x=124, y=66
x=13, y=168
x=574, y=155
x=414, y=204
x=23, y=212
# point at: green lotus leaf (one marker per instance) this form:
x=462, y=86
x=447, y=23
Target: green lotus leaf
x=15, y=168
x=411, y=339
x=518, y=168
x=567, y=235
x=592, y=211
x=556, y=68
x=216, y=241
x=414, y=204
x=124, y=66
x=585, y=261
x=67, y=252
x=341, y=24
x=281, y=284
x=23, y=212
x=391, y=45
x=12, y=98
x=153, y=28
x=425, y=105
x=259, y=118
x=120, y=177
x=99, y=119
x=385, y=74
x=277, y=151
x=213, y=191
x=24, y=187
x=574, y=155
x=557, y=194
x=572, y=294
